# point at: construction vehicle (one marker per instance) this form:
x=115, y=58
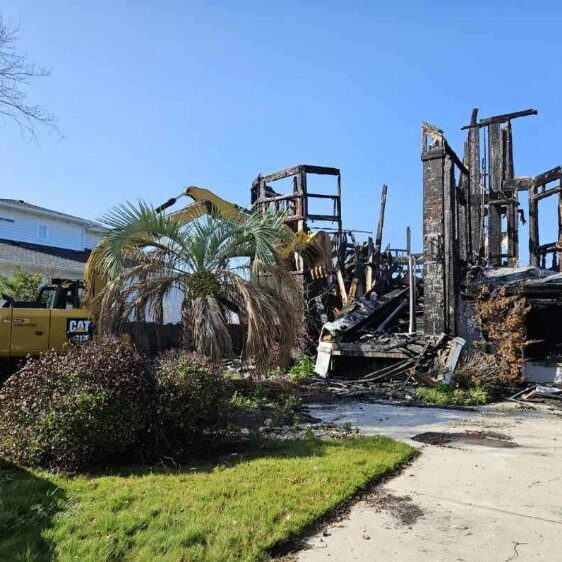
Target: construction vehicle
x=58, y=315
x=314, y=248
x=55, y=318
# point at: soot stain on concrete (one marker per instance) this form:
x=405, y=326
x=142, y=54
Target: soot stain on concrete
x=401, y=508
x=481, y=438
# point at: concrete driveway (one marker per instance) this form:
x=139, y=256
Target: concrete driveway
x=501, y=501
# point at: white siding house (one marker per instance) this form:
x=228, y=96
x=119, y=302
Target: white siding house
x=44, y=241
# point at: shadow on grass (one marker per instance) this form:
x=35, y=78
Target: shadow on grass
x=230, y=453
x=27, y=507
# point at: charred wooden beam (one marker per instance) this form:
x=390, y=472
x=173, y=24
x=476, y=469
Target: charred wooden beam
x=512, y=205
x=464, y=233
x=497, y=119
x=369, y=274
x=295, y=170
x=380, y=225
x=521, y=183
x=548, y=176
x=457, y=161
x=327, y=218
x=476, y=203
x=547, y=193
x=322, y=196
x=533, y=227
x=559, y=230
x=496, y=175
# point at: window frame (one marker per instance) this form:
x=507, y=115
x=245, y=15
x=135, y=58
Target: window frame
x=41, y=226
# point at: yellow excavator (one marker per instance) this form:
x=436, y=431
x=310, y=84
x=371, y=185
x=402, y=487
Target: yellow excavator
x=315, y=248
x=53, y=319
x=58, y=316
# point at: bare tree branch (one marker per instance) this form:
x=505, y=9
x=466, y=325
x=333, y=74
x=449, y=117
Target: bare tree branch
x=15, y=74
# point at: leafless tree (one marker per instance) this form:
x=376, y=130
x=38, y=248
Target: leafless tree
x=15, y=74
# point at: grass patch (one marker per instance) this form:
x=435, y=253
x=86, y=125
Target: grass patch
x=445, y=394
x=235, y=510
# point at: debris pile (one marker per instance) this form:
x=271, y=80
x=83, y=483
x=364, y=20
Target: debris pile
x=372, y=328
x=541, y=393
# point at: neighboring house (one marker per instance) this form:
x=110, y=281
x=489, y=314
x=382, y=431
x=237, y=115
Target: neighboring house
x=44, y=241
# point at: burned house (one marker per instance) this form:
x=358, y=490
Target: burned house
x=421, y=318
x=472, y=213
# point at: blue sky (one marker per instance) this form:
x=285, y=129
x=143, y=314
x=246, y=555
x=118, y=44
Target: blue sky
x=153, y=96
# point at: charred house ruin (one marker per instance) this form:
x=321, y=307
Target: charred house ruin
x=415, y=314
x=472, y=210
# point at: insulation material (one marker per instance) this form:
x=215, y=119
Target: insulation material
x=502, y=317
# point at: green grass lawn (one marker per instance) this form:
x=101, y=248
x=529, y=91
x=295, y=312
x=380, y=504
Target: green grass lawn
x=234, y=510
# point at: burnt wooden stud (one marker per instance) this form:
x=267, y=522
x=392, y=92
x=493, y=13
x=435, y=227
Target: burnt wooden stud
x=476, y=210
x=533, y=226
x=369, y=273
x=495, y=183
x=380, y=225
x=512, y=203
x=559, y=248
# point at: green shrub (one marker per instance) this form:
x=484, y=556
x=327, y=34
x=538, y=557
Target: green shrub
x=190, y=393
x=21, y=285
x=70, y=411
x=248, y=402
x=476, y=397
x=303, y=370
x=444, y=394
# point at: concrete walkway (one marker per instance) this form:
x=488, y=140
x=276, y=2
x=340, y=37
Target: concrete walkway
x=477, y=503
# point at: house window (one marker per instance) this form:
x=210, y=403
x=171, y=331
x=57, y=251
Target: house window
x=42, y=232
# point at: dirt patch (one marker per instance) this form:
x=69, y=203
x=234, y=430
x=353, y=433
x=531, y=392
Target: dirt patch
x=400, y=507
x=482, y=438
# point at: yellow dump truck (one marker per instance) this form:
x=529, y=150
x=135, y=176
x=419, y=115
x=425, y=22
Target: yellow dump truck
x=55, y=318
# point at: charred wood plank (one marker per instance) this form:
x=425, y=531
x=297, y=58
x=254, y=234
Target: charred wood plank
x=548, y=176
x=547, y=193
x=501, y=118
x=361, y=314
x=380, y=225
x=521, y=183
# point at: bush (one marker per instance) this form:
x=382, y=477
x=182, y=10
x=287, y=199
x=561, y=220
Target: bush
x=70, y=411
x=443, y=394
x=190, y=395
x=302, y=371
x=21, y=285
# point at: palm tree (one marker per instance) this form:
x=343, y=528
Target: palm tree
x=220, y=266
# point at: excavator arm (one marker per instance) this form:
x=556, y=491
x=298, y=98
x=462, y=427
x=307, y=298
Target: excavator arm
x=315, y=248
x=204, y=202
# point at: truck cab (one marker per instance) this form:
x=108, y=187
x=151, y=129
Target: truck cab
x=55, y=318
